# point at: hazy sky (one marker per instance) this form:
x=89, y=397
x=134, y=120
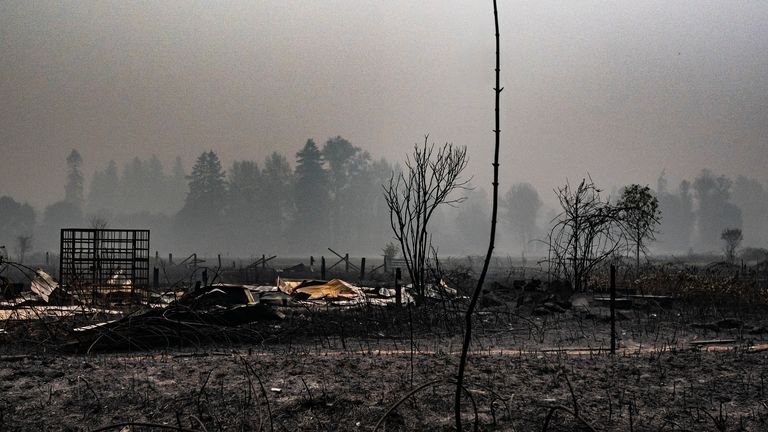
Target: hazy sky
x=619, y=89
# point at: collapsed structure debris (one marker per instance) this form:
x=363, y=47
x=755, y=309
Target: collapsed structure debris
x=334, y=289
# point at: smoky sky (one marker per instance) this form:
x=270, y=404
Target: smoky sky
x=621, y=90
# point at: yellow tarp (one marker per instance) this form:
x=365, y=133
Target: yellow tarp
x=333, y=289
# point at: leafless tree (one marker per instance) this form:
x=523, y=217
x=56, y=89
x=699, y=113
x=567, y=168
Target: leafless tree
x=491, y=241
x=23, y=246
x=98, y=221
x=390, y=250
x=584, y=234
x=732, y=238
x=428, y=181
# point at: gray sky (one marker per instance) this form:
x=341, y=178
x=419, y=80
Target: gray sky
x=619, y=89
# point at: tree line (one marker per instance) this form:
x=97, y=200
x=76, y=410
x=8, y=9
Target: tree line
x=331, y=195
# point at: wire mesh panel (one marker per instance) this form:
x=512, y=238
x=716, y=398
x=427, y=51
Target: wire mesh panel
x=104, y=260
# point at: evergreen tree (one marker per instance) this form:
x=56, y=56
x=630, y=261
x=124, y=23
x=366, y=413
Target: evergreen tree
x=207, y=188
x=105, y=189
x=73, y=189
x=246, y=201
x=311, y=196
x=277, y=178
x=346, y=165
x=132, y=189
x=200, y=218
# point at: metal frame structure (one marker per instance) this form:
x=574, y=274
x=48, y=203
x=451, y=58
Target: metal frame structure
x=104, y=260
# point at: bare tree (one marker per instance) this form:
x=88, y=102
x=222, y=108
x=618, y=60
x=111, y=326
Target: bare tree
x=491, y=241
x=585, y=233
x=23, y=246
x=732, y=238
x=390, y=250
x=98, y=221
x=413, y=194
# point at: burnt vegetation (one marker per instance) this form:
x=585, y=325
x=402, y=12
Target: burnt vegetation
x=601, y=323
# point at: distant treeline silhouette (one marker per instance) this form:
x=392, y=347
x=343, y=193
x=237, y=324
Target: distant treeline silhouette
x=332, y=197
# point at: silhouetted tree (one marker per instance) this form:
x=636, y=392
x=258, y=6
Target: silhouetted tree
x=23, y=246
x=339, y=154
x=378, y=226
x=246, y=199
x=207, y=187
x=414, y=194
x=585, y=233
x=98, y=221
x=277, y=178
x=204, y=205
x=133, y=186
x=640, y=216
x=104, y=192
x=310, y=223
x=61, y=214
x=521, y=205
x=732, y=238
x=73, y=189
x=715, y=211
x=466, y=228
x=677, y=208
x=752, y=198
x=355, y=203
x=15, y=219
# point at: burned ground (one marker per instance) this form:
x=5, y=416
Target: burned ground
x=692, y=355
x=678, y=368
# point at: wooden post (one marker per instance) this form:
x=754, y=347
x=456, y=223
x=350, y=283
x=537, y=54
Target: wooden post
x=205, y=277
x=362, y=268
x=346, y=263
x=263, y=261
x=46, y=259
x=311, y=263
x=613, y=309
x=398, y=290
x=219, y=258
x=156, y=278
x=322, y=268
x=170, y=258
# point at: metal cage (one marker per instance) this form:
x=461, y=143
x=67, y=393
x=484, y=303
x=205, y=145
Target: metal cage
x=104, y=260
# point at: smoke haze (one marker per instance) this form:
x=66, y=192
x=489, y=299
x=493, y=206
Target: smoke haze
x=619, y=90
